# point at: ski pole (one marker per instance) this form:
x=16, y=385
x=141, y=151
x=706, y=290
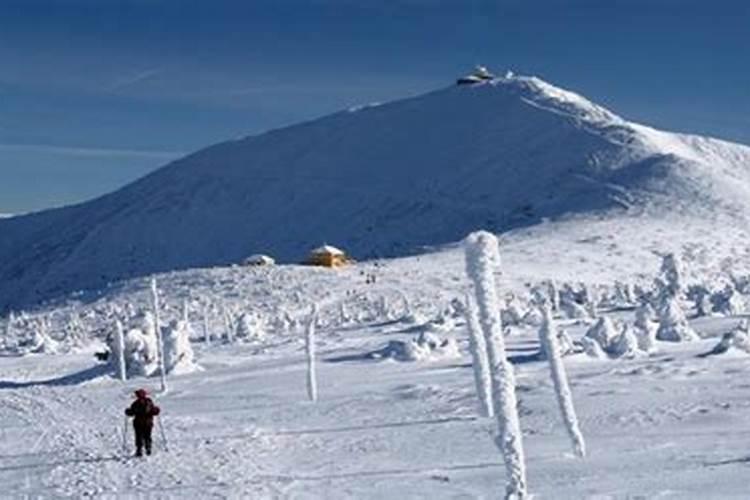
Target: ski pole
x=163, y=434
x=125, y=436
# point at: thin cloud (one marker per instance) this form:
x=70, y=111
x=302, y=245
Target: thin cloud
x=90, y=152
x=135, y=79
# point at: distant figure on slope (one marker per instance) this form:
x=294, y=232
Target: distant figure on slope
x=143, y=411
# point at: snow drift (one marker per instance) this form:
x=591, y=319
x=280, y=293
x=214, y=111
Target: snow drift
x=379, y=181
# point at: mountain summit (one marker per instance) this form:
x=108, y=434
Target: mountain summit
x=378, y=180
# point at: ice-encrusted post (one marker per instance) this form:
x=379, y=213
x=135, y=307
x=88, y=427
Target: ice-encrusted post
x=312, y=383
x=120, y=343
x=550, y=345
x=159, y=339
x=482, y=258
x=478, y=349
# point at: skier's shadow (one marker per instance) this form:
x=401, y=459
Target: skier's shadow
x=70, y=379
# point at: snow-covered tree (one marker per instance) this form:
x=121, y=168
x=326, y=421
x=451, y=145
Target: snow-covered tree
x=673, y=326
x=482, y=257
x=549, y=339
x=645, y=327
x=480, y=364
x=118, y=353
x=670, y=281
x=159, y=339
x=312, y=382
x=141, y=351
x=178, y=353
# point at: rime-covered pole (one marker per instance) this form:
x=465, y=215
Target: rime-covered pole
x=206, y=331
x=312, y=383
x=478, y=349
x=550, y=345
x=482, y=258
x=120, y=339
x=159, y=339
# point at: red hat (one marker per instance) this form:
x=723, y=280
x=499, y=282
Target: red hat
x=141, y=393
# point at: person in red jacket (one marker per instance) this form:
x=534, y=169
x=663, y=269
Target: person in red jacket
x=143, y=411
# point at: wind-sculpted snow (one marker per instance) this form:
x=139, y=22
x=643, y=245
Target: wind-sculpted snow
x=382, y=180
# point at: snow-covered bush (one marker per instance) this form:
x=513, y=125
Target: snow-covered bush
x=604, y=333
x=249, y=327
x=482, y=258
x=574, y=310
x=33, y=336
x=603, y=340
x=670, y=281
x=625, y=344
x=427, y=346
x=673, y=326
x=512, y=314
x=141, y=351
x=178, y=353
x=726, y=301
x=738, y=339
x=700, y=295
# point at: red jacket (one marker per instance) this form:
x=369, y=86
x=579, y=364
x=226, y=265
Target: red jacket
x=143, y=411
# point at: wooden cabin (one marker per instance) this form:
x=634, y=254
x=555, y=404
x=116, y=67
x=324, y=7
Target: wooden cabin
x=327, y=256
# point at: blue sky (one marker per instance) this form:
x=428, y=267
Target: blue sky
x=95, y=93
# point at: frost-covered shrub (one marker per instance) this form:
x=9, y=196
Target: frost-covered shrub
x=428, y=346
x=670, y=280
x=625, y=345
x=141, y=352
x=574, y=310
x=603, y=332
x=592, y=348
x=512, y=315
x=738, y=339
x=673, y=326
x=33, y=336
x=178, y=353
x=605, y=340
x=699, y=295
x=726, y=301
x=249, y=327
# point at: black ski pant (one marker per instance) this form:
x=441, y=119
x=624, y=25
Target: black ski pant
x=142, y=437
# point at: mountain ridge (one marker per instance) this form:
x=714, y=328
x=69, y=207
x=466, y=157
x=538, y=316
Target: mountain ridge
x=378, y=180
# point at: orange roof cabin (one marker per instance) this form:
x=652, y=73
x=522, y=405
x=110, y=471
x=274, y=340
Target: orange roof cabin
x=327, y=256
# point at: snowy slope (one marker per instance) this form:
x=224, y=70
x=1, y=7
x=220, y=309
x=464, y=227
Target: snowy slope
x=383, y=180
x=671, y=425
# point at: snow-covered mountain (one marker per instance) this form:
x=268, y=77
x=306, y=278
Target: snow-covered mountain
x=384, y=180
